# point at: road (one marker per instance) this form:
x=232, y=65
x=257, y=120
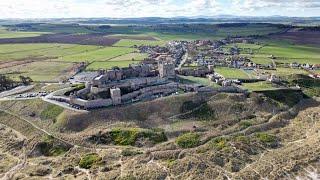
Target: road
x=17, y=90
x=184, y=59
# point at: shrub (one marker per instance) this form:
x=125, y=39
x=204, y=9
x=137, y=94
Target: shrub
x=49, y=148
x=267, y=139
x=89, y=160
x=220, y=143
x=130, y=152
x=188, y=140
x=129, y=136
x=243, y=139
x=245, y=124
x=124, y=136
x=205, y=112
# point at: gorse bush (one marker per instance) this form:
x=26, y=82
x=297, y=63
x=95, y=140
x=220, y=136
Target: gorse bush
x=88, y=160
x=188, y=140
x=129, y=136
x=220, y=142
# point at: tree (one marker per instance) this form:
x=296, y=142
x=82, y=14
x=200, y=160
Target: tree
x=25, y=80
x=5, y=83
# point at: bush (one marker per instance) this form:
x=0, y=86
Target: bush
x=130, y=152
x=245, y=124
x=188, y=140
x=267, y=139
x=48, y=147
x=220, y=143
x=243, y=139
x=129, y=136
x=124, y=136
x=89, y=160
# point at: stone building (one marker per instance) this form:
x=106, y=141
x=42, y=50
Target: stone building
x=115, y=96
x=166, y=70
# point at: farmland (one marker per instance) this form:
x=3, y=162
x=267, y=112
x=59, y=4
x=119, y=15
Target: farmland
x=199, y=129
x=109, y=64
x=284, y=52
x=119, y=61
x=16, y=34
x=101, y=54
x=39, y=71
x=130, y=43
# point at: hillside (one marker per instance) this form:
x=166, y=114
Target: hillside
x=214, y=136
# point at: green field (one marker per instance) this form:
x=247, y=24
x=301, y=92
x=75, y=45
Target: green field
x=258, y=86
x=232, y=73
x=130, y=57
x=287, y=53
x=102, y=54
x=261, y=59
x=109, y=64
x=131, y=42
x=17, y=34
x=119, y=61
x=52, y=51
x=39, y=71
x=287, y=71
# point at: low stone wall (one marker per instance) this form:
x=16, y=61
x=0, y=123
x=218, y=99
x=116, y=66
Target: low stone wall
x=148, y=91
x=92, y=103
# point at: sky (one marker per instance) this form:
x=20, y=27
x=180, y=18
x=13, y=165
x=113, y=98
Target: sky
x=155, y=8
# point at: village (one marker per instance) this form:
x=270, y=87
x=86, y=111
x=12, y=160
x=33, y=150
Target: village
x=157, y=75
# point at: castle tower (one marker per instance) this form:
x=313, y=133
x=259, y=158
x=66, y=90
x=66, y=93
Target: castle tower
x=115, y=95
x=166, y=70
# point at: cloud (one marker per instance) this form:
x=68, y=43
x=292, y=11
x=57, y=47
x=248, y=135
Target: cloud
x=289, y=5
x=144, y=8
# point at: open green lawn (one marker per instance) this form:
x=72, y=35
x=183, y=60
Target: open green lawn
x=17, y=34
x=258, y=86
x=232, y=73
x=39, y=71
x=109, y=64
x=131, y=42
